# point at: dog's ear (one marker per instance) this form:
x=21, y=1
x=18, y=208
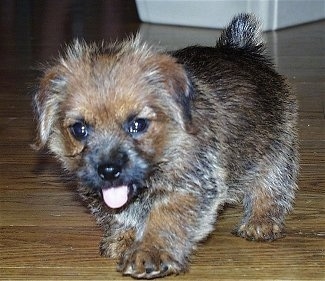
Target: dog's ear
x=46, y=103
x=179, y=86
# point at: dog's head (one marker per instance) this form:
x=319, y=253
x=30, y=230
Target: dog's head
x=114, y=115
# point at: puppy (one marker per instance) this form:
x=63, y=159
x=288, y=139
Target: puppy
x=160, y=141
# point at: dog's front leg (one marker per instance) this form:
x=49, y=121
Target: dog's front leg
x=166, y=241
x=115, y=245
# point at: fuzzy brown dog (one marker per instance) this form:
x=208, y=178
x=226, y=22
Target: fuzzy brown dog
x=160, y=141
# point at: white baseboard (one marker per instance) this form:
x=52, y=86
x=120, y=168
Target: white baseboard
x=274, y=14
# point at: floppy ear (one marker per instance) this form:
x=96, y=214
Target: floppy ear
x=179, y=86
x=182, y=91
x=46, y=104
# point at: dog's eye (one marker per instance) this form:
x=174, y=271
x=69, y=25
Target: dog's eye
x=137, y=126
x=79, y=130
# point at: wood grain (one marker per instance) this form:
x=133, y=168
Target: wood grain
x=46, y=233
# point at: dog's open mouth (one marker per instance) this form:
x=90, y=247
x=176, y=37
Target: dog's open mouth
x=117, y=196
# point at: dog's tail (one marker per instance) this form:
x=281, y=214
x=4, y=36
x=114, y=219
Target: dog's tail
x=243, y=33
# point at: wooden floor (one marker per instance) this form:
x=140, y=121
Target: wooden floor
x=47, y=234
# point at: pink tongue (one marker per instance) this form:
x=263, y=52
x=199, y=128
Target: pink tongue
x=115, y=197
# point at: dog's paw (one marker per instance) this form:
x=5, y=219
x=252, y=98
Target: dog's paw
x=260, y=231
x=115, y=246
x=149, y=263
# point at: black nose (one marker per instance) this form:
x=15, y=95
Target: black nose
x=109, y=171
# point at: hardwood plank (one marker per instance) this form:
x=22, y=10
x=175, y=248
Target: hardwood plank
x=312, y=153
x=311, y=129
x=311, y=97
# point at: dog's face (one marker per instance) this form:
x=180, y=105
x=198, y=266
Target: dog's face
x=114, y=115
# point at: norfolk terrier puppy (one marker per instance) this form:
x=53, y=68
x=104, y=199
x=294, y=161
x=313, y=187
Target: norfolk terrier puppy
x=160, y=141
